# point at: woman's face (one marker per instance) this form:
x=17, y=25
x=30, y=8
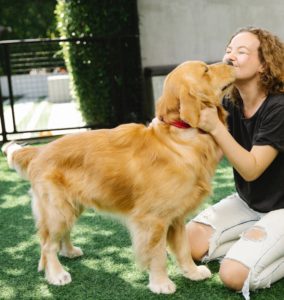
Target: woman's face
x=243, y=52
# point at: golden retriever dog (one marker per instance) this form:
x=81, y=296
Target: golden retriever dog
x=151, y=176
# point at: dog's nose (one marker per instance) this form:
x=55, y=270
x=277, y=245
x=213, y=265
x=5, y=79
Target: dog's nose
x=229, y=62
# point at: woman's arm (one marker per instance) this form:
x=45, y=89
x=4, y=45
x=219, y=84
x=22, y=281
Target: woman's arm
x=249, y=164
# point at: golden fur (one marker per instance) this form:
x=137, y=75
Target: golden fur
x=151, y=176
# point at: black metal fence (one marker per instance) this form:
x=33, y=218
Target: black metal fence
x=34, y=71
x=149, y=73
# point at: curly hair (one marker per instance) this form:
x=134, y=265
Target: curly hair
x=271, y=55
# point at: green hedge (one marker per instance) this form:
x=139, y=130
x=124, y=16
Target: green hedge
x=105, y=68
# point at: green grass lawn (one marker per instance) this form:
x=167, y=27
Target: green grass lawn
x=107, y=269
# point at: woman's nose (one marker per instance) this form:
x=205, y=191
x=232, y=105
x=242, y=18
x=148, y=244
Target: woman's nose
x=230, y=56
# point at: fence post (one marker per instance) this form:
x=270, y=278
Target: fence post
x=2, y=118
x=9, y=78
x=121, y=109
x=149, y=101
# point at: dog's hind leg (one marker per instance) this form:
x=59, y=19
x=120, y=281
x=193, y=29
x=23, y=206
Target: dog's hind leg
x=67, y=249
x=42, y=260
x=54, y=271
x=149, y=242
x=50, y=245
x=54, y=221
x=178, y=243
x=42, y=229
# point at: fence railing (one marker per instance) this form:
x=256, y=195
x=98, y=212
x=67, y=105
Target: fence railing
x=154, y=89
x=32, y=72
x=149, y=73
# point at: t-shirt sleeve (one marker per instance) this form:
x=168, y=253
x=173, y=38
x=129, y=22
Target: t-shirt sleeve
x=271, y=130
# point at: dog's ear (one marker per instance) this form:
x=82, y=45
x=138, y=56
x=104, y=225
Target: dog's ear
x=190, y=107
x=167, y=108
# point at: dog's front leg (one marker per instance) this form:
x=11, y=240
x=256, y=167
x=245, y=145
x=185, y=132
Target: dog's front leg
x=159, y=282
x=179, y=245
x=149, y=243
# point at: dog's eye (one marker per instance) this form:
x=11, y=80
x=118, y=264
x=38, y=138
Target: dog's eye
x=206, y=69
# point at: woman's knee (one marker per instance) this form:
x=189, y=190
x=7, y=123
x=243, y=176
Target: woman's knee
x=198, y=235
x=233, y=274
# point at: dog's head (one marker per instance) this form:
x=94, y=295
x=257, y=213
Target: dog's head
x=192, y=86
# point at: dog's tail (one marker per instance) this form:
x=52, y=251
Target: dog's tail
x=19, y=157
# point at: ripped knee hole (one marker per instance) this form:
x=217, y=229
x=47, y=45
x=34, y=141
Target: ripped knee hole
x=255, y=233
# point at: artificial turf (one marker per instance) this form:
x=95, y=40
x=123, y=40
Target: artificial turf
x=107, y=269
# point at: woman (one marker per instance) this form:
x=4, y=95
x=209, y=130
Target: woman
x=248, y=227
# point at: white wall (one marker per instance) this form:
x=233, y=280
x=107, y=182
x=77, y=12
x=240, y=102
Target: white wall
x=27, y=86
x=172, y=31
x=54, y=86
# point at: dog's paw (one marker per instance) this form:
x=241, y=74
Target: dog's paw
x=200, y=273
x=61, y=278
x=75, y=252
x=40, y=267
x=165, y=287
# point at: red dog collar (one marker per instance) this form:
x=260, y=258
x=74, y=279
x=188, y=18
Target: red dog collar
x=179, y=124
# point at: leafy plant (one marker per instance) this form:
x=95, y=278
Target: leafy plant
x=104, y=65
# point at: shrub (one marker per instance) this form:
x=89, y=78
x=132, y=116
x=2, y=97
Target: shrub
x=104, y=66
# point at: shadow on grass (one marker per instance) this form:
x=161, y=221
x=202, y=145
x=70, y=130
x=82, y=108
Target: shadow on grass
x=107, y=269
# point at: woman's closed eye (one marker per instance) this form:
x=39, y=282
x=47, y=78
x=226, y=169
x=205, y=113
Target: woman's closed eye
x=242, y=52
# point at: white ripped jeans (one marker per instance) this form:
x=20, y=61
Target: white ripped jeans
x=230, y=218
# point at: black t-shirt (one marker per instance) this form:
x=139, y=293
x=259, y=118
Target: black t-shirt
x=265, y=127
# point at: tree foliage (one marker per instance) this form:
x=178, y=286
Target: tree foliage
x=28, y=19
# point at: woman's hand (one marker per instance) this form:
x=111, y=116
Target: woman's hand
x=209, y=119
